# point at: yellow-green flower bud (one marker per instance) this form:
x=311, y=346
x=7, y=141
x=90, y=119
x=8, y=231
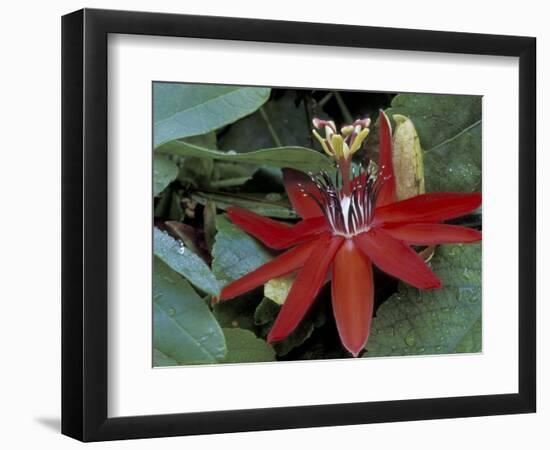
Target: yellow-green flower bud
x=408, y=165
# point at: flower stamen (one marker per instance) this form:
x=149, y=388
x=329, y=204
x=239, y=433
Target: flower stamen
x=341, y=146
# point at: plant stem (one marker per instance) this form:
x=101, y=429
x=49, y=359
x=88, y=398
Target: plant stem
x=307, y=108
x=272, y=131
x=325, y=99
x=342, y=105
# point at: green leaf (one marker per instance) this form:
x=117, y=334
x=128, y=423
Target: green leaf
x=176, y=211
x=229, y=170
x=163, y=203
x=197, y=172
x=243, y=346
x=449, y=128
x=185, y=262
x=455, y=165
x=182, y=110
x=208, y=140
x=161, y=360
x=231, y=174
x=288, y=120
x=184, y=329
x=471, y=341
x=299, y=158
x=271, y=205
x=229, y=182
x=235, y=253
x=439, y=321
x=266, y=312
x=164, y=172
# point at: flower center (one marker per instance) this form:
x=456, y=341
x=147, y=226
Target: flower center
x=348, y=205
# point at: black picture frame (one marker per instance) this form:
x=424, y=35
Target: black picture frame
x=84, y=224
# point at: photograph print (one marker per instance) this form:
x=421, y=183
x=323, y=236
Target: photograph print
x=312, y=224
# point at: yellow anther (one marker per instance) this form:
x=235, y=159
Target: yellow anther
x=323, y=143
x=338, y=146
x=347, y=130
x=358, y=141
x=341, y=146
x=346, y=151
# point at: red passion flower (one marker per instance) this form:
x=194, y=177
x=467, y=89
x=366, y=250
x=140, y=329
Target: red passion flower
x=350, y=222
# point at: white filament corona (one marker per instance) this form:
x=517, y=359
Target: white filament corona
x=348, y=211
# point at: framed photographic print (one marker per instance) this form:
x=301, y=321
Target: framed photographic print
x=276, y=224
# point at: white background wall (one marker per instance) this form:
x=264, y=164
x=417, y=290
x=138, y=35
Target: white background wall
x=30, y=225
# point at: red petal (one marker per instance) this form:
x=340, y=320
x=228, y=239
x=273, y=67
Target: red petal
x=307, y=228
x=352, y=296
x=432, y=207
x=396, y=258
x=281, y=265
x=303, y=231
x=432, y=233
x=275, y=234
x=266, y=230
x=305, y=288
x=303, y=204
x=387, y=192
